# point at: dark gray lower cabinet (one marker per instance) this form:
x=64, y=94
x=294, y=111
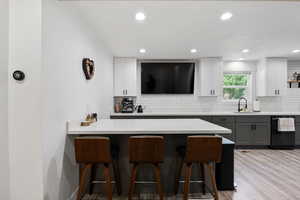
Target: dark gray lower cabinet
x=297, y=137
x=252, y=133
x=227, y=122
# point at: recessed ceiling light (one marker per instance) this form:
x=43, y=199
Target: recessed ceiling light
x=193, y=50
x=245, y=50
x=296, y=51
x=142, y=50
x=241, y=59
x=140, y=16
x=226, y=16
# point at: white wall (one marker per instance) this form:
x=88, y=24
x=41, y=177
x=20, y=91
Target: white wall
x=25, y=147
x=66, y=94
x=4, y=153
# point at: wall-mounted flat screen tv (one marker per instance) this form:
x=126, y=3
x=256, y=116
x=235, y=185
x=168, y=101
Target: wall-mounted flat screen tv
x=167, y=78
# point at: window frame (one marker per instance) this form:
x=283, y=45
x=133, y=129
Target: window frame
x=248, y=87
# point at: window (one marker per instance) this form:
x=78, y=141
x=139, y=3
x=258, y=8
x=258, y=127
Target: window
x=236, y=86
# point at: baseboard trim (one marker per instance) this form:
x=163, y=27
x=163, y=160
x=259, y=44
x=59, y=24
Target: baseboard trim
x=73, y=195
x=251, y=147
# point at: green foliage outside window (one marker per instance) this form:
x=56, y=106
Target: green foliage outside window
x=235, y=79
x=235, y=86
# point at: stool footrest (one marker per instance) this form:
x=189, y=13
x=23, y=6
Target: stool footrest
x=199, y=181
x=145, y=182
x=102, y=182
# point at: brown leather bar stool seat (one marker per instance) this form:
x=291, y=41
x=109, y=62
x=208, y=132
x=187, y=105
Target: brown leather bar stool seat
x=146, y=150
x=201, y=150
x=92, y=151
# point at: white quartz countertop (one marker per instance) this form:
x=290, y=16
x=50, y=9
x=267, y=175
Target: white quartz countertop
x=146, y=126
x=204, y=114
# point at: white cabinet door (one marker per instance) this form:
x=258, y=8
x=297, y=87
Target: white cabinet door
x=272, y=77
x=209, y=76
x=125, y=73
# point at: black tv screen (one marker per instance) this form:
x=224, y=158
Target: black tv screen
x=167, y=78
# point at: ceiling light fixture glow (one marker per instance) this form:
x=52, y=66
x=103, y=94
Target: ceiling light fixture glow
x=140, y=16
x=226, y=16
x=240, y=59
x=296, y=51
x=193, y=50
x=142, y=50
x=245, y=50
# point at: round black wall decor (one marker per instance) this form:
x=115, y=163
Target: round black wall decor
x=18, y=75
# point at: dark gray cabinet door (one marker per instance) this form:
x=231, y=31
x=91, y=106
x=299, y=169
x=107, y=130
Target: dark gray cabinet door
x=297, y=136
x=252, y=134
x=243, y=134
x=261, y=134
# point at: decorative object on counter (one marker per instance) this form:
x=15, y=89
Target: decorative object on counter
x=127, y=105
x=88, y=67
x=90, y=118
x=295, y=76
x=117, y=107
x=85, y=123
x=256, y=106
x=95, y=117
x=18, y=75
x=140, y=109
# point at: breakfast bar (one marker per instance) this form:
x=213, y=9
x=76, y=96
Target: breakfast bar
x=174, y=132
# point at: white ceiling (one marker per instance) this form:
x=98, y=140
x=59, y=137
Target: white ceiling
x=268, y=29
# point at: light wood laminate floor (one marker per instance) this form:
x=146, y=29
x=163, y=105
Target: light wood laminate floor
x=262, y=175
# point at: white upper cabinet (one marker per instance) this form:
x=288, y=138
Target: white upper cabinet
x=271, y=77
x=209, y=76
x=125, y=73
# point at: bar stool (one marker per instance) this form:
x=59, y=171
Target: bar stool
x=204, y=150
x=146, y=150
x=91, y=151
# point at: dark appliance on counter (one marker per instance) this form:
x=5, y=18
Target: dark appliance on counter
x=281, y=140
x=127, y=105
x=140, y=109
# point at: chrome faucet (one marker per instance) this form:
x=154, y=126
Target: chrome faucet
x=245, y=105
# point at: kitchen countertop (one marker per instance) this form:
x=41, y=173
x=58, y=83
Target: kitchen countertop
x=202, y=114
x=146, y=126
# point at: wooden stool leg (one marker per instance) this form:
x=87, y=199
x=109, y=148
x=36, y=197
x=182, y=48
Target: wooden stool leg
x=203, y=177
x=213, y=181
x=83, y=180
x=93, y=177
x=108, y=181
x=178, y=174
x=188, y=173
x=116, y=169
x=158, y=182
x=132, y=181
